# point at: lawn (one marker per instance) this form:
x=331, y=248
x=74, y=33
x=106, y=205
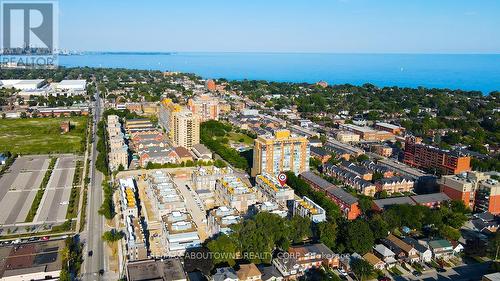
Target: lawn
x=42, y=135
x=237, y=137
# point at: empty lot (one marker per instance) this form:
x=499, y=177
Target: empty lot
x=42, y=135
x=18, y=187
x=55, y=200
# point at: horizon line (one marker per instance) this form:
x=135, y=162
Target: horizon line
x=285, y=52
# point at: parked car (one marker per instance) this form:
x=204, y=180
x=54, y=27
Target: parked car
x=417, y=273
x=342, y=272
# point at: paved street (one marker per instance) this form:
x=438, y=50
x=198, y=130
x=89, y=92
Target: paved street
x=94, y=228
x=461, y=273
x=194, y=206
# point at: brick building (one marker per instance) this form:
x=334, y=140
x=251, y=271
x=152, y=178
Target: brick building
x=424, y=156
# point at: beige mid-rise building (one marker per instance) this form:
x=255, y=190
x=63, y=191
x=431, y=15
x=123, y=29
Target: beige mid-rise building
x=280, y=152
x=206, y=106
x=182, y=125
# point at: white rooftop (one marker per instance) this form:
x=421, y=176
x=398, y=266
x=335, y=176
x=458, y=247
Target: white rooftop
x=72, y=84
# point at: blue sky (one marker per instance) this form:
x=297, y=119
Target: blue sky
x=332, y=26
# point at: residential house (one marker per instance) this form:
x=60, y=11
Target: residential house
x=395, y=184
x=374, y=261
x=441, y=248
x=314, y=256
x=225, y=274
x=424, y=253
x=410, y=252
x=363, y=172
x=385, y=254
x=321, y=154
x=270, y=273
x=249, y=272
x=486, y=223
x=377, y=168
x=299, y=259
x=351, y=179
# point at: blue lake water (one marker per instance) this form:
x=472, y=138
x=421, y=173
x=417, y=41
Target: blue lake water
x=466, y=72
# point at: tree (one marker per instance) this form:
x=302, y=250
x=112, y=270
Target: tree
x=112, y=235
x=361, y=268
x=377, y=176
x=223, y=249
x=301, y=228
x=449, y=233
x=365, y=203
x=327, y=233
x=379, y=227
x=359, y=237
x=362, y=157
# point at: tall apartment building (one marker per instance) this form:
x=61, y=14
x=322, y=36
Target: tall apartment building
x=280, y=153
x=424, y=156
x=205, y=106
x=477, y=190
x=488, y=196
x=182, y=126
x=186, y=129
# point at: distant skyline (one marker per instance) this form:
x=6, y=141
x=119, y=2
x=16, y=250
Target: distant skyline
x=312, y=26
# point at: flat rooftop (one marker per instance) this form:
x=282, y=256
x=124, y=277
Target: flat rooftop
x=31, y=258
x=168, y=270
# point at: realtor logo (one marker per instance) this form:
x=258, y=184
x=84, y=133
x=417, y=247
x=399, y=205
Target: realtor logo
x=28, y=34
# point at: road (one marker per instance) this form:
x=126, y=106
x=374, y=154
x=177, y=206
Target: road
x=194, y=206
x=95, y=222
x=466, y=272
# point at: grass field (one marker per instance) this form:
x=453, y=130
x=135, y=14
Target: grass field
x=42, y=135
x=236, y=137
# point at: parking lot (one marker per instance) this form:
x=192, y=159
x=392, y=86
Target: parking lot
x=55, y=200
x=18, y=187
